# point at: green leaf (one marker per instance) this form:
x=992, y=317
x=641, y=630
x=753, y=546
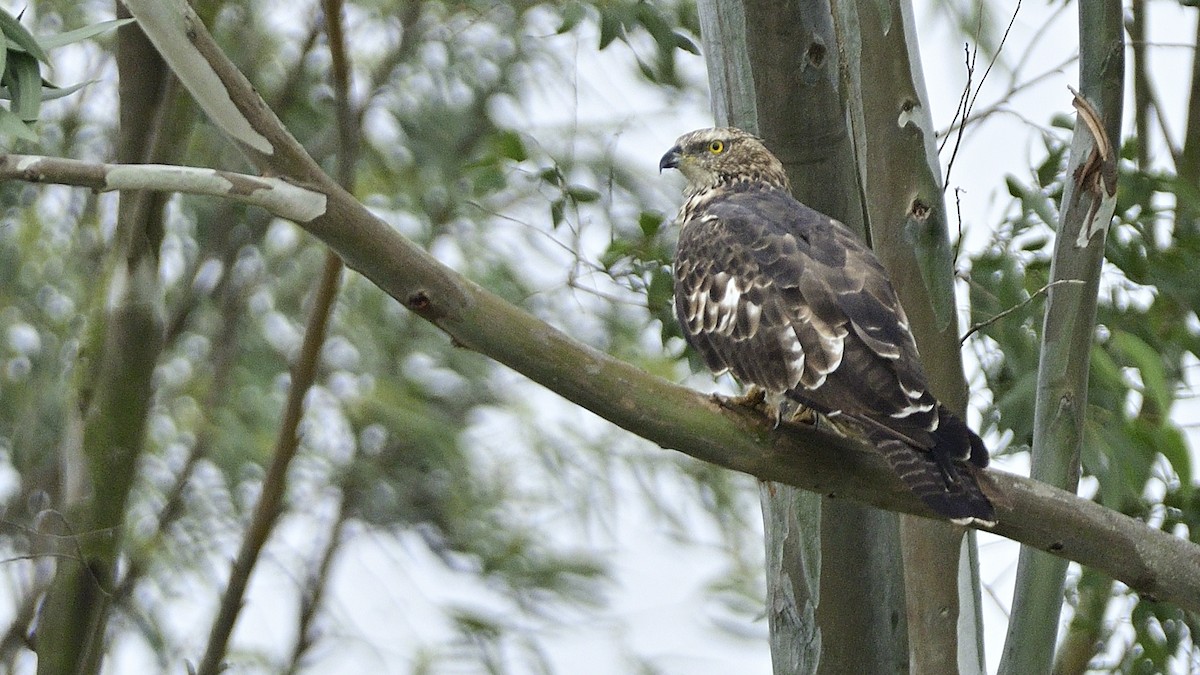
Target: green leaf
x=685, y=43
x=51, y=92
x=583, y=194
x=22, y=39
x=1148, y=362
x=1063, y=121
x=648, y=72
x=1050, y=169
x=611, y=27
x=652, y=20
x=650, y=222
x=1033, y=200
x=3, y=52
x=24, y=79
x=1035, y=244
x=618, y=249
x=12, y=126
x=509, y=145
x=661, y=288
x=1104, y=370
x=556, y=212
x=49, y=42
x=551, y=175
x=571, y=16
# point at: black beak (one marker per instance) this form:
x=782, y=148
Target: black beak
x=670, y=160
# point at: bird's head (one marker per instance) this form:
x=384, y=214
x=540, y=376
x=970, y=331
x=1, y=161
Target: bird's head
x=709, y=158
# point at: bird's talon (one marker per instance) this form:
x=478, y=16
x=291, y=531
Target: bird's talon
x=751, y=399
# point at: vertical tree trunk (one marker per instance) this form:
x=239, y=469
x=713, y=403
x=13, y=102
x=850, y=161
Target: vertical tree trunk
x=894, y=140
x=774, y=71
x=1188, y=215
x=1068, y=331
x=116, y=394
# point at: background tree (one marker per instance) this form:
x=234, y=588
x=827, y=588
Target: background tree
x=391, y=442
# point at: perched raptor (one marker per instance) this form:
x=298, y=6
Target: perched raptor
x=790, y=301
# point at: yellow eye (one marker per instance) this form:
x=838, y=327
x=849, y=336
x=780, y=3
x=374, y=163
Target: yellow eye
x=716, y=147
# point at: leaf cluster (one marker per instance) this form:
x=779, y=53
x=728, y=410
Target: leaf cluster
x=22, y=57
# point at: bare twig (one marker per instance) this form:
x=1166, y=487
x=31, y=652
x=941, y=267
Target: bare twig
x=270, y=502
x=978, y=88
x=1001, y=105
x=960, y=110
x=984, y=324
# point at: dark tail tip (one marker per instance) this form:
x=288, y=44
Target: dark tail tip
x=955, y=440
x=967, y=506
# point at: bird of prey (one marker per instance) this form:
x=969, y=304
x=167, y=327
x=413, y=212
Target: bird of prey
x=791, y=302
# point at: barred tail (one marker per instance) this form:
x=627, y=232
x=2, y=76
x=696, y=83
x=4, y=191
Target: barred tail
x=946, y=484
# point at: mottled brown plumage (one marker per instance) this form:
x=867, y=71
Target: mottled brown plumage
x=789, y=300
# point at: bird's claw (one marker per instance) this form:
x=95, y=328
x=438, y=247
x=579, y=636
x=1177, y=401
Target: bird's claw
x=756, y=399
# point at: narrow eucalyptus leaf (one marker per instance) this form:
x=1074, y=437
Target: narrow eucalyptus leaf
x=11, y=126
x=49, y=42
x=51, y=92
x=26, y=86
x=21, y=38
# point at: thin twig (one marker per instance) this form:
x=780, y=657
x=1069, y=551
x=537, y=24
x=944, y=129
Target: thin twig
x=960, y=110
x=978, y=88
x=348, y=133
x=1001, y=105
x=1019, y=305
x=270, y=503
x=958, y=244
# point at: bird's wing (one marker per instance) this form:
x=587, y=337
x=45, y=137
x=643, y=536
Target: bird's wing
x=789, y=300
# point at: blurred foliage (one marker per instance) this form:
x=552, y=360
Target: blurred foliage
x=1147, y=338
x=403, y=430
x=22, y=56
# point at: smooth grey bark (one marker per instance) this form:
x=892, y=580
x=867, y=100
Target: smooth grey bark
x=901, y=174
x=1067, y=333
x=773, y=70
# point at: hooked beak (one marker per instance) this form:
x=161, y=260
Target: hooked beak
x=671, y=159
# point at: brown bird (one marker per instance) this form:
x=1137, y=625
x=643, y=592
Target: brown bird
x=790, y=301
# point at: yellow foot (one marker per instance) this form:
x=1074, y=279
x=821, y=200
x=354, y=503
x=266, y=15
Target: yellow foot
x=753, y=398
x=756, y=399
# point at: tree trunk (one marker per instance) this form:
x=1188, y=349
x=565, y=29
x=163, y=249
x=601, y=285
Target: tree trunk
x=1067, y=334
x=774, y=71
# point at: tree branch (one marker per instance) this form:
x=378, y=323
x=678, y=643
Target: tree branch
x=1149, y=561
x=276, y=195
